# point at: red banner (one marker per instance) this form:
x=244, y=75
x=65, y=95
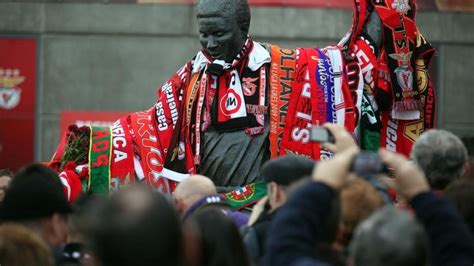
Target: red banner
x=17, y=101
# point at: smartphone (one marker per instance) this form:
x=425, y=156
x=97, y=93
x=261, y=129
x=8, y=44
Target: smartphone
x=368, y=164
x=321, y=134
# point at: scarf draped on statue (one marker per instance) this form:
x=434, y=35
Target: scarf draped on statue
x=399, y=100
x=287, y=91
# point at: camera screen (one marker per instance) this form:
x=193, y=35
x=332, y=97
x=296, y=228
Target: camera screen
x=320, y=134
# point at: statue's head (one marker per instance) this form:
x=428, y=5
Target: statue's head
x=223, y=27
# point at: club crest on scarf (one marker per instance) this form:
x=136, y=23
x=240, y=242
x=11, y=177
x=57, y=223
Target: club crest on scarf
x=404, y=73
x=249, y=86
x=401, y=6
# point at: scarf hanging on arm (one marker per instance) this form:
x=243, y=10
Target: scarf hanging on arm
x=121, y=169
x=309, y=87
x=307, y=107
x=400, y=63
x=399, y=33
x=282, y=78
x=325, y=77
x=399, y=135
x=334, y=54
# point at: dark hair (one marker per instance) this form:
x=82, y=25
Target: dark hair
x=239, y=9
x=137, y=226
x=6, y=172
x=35, y=192
x=220, y=239
x=287, y=169
x=461, y=193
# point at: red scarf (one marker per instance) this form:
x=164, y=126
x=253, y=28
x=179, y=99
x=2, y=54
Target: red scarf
x=389, y=75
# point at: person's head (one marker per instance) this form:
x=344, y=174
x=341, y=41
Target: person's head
x=441, y=155
x=5, y=178
x=191, y=190
x=280, y=173
x=35, y=198
x=358, y=201
x=223, y=27
x=221, y=244
x=389, y=237
x=461, y=193
x=137, y=225
x=81, y=220
x=20, y=246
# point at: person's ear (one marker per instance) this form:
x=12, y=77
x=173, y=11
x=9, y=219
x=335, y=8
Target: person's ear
x=467, y=168
x=340, y=241
x=59, y=227
x=280, y=195
x=54, y=230
x=179, y=205
x=272, y=191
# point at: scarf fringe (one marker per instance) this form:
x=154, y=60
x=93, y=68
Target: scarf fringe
x=408, y=105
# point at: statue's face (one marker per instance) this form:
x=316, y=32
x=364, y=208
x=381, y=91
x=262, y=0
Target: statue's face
x=221, y=37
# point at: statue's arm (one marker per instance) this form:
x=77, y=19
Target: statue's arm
x=373, y=29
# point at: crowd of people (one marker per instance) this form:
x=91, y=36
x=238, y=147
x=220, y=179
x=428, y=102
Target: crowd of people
x=315, y=213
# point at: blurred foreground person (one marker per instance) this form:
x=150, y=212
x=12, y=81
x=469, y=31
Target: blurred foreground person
x=85, y=210
x=221, y=244
x=390, y=237
x=297, y=227
x=441, y=155
x=137, y=227
x=5, y=178
x=35, y=198
x=197, y=193
x=358, y=201
x=279, y=174
x=20, y=246
x=461, y=193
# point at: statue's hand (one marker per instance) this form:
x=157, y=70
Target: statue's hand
x=373, y=28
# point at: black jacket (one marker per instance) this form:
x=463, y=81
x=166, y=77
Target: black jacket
x=294, y=231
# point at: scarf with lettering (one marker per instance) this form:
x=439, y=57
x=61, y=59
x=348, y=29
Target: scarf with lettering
x=310, y=87
x=225, y=96
x=397, y=82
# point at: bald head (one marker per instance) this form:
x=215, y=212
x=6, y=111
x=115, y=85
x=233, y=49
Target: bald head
x=191, y=190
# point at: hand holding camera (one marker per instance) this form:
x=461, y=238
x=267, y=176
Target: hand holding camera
x=409, y=179
x=333, y=137
x=349, y=162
